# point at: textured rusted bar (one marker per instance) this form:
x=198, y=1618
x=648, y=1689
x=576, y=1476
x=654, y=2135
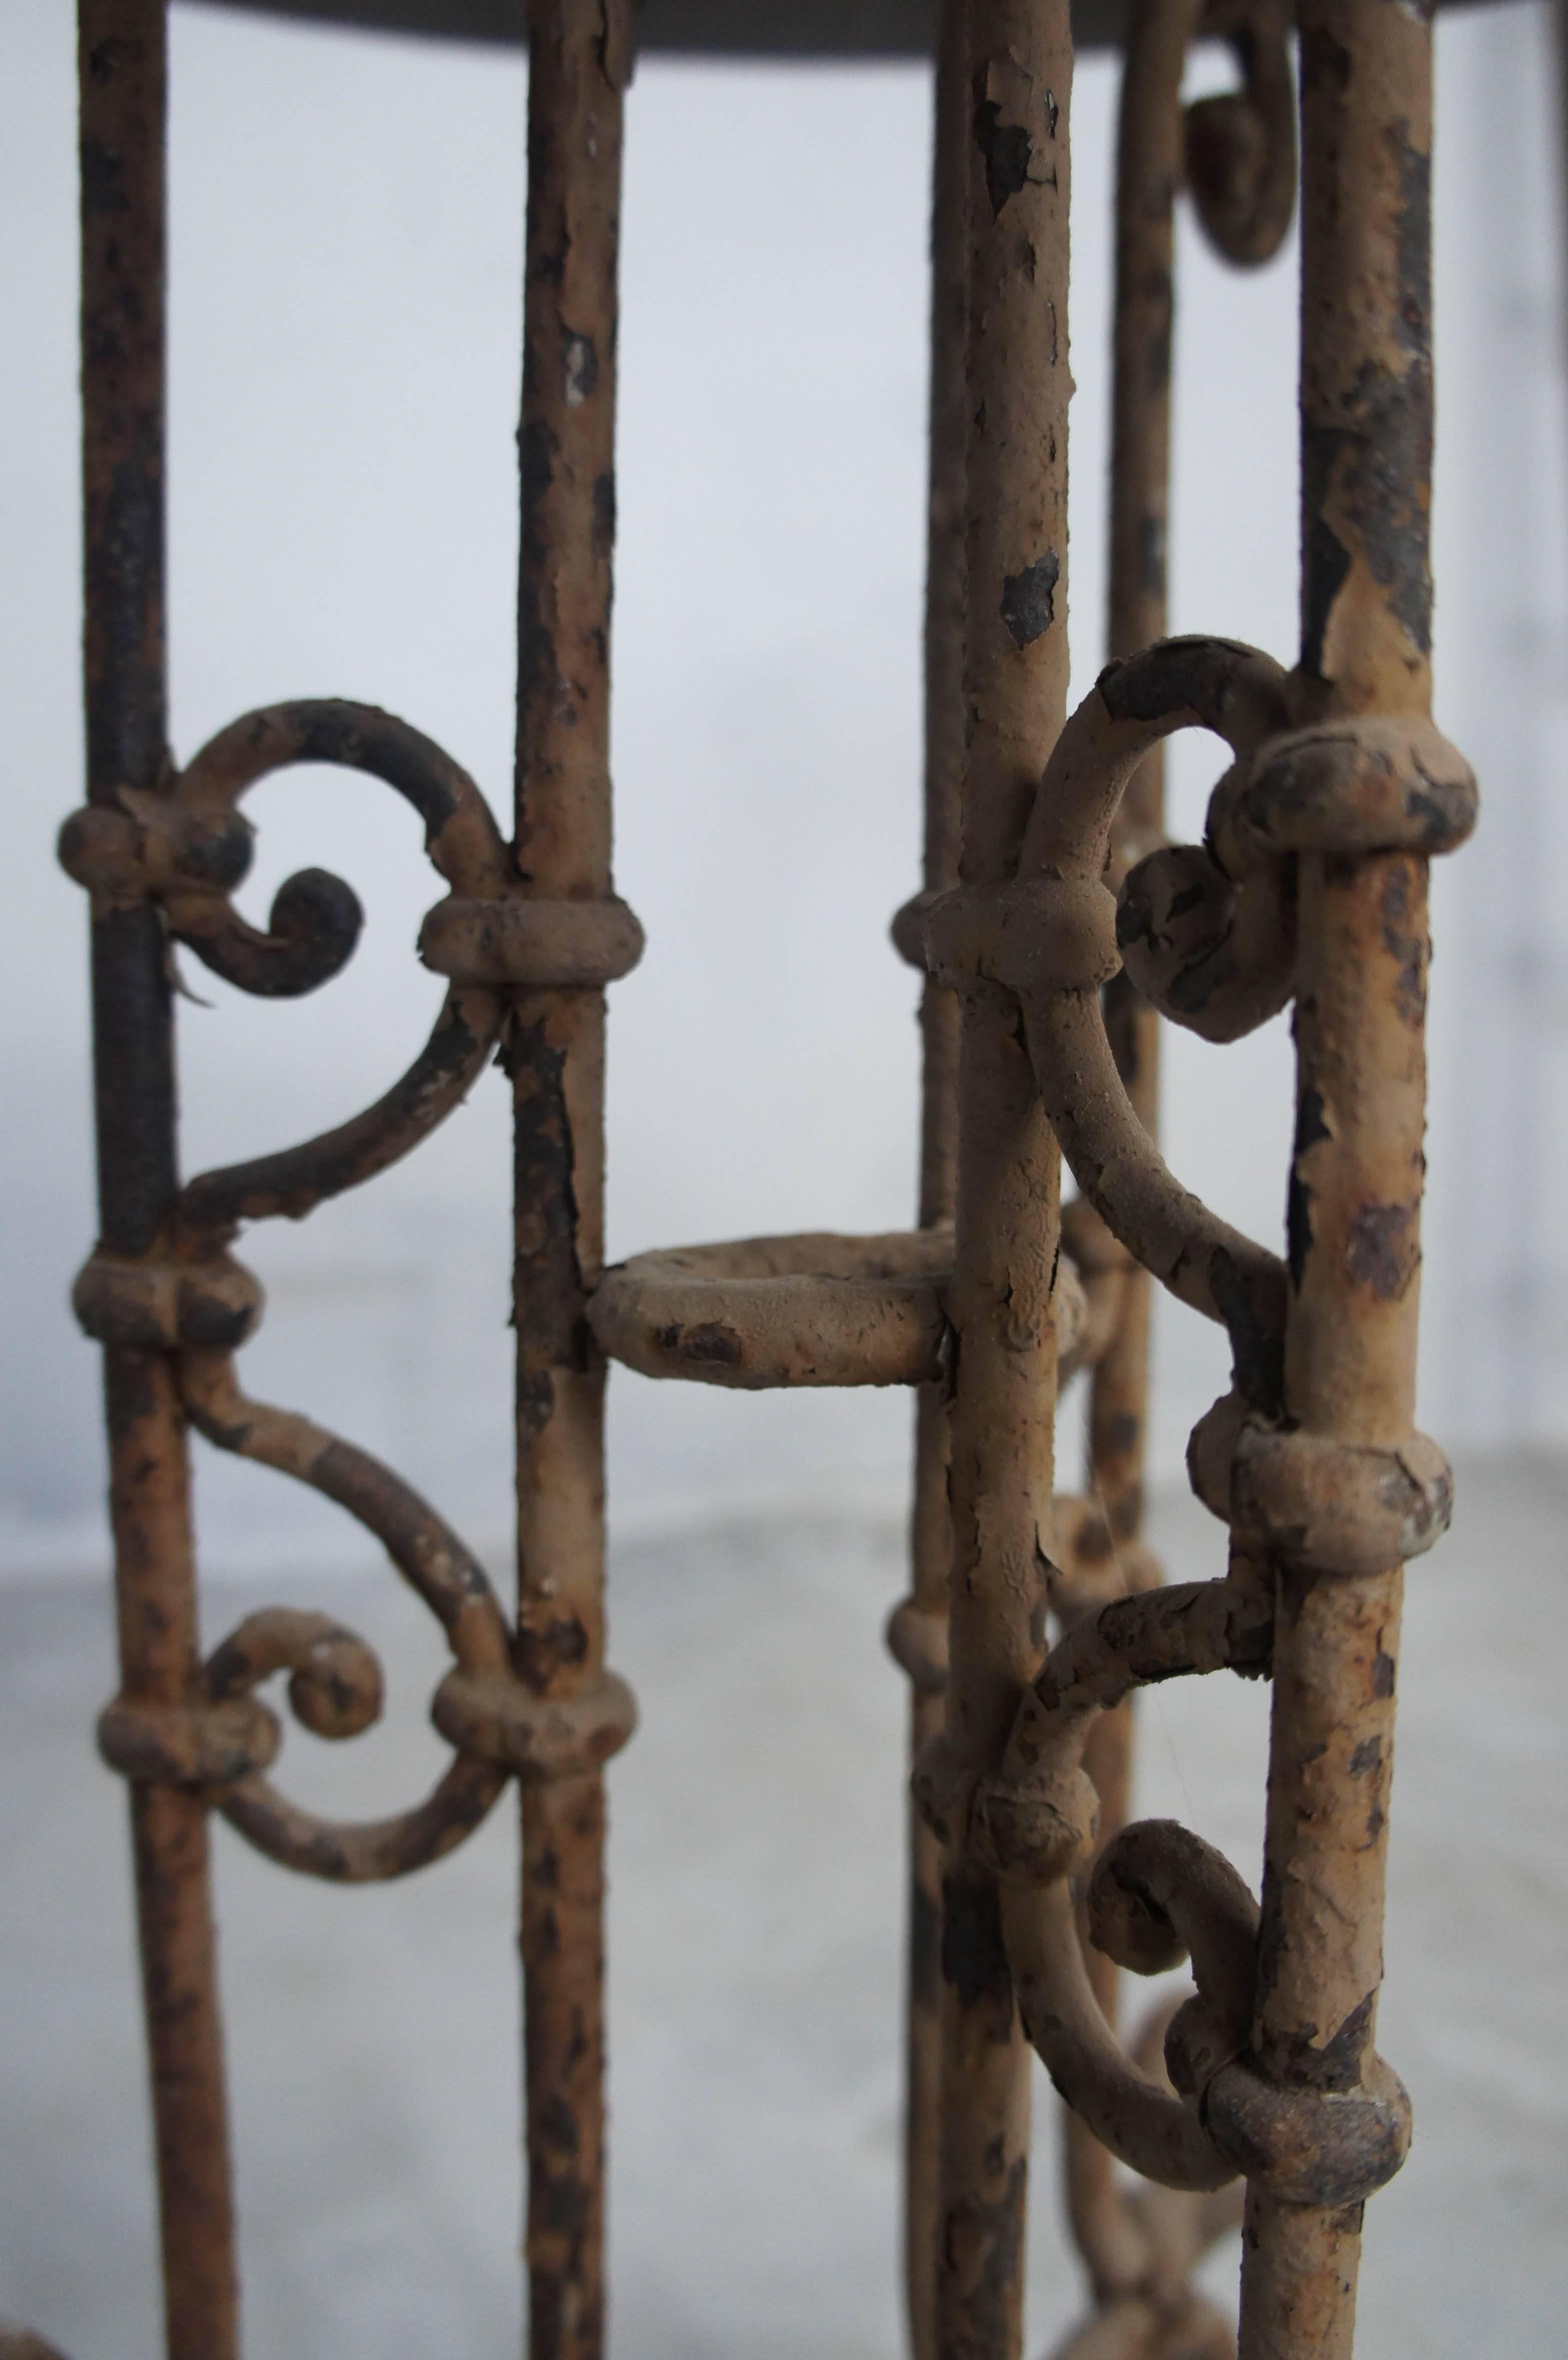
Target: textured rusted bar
x=930, y=1523
x=1236, y=152
x=123, y=82
x=1148, y=171
x=1355, y=1206
x=150, y=1516
x=1008, y=1229
x=579, y=62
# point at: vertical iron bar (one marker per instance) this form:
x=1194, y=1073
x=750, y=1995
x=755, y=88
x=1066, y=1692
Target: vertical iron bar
x=1149, y=173
x=123, y=78
x=579, y=62
x=1008, y=1167
x=1367, y=419
x=931, y=1529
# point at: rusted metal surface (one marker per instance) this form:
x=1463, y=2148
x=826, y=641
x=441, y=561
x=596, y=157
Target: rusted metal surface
x=122, y=70
x=820, y=1309
x=1357, y=1164
x=1055, y=928
x=1007, y=1236
x=918, y=1632
x=527, y=937
x=1311, y=886
x=1317, y=1508
x=765, y=1312
x=579, y=58
x=1237, y=156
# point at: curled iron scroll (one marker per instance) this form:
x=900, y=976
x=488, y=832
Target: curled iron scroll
x=1155, y=1896
x=336, y=1685
x=1207, y=932
x=1058, y=941
x=1240, y=145
x=1154, y=1878
x=315, y=922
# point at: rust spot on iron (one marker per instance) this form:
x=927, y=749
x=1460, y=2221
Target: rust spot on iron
x=1381, y=1252
x=1028, y=599
x=973, y=1960
x=1006, y=150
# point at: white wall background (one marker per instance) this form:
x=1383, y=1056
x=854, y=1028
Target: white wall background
x=346, y=331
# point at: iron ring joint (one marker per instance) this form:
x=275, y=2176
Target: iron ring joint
x=1320, y=2147
x=147, y=846
x=205, y=1744
x=495, y=1716
x=161, y=1305
x=1036, y=936
x=1327, y=1507
x=1365, y=784
x=521, y=939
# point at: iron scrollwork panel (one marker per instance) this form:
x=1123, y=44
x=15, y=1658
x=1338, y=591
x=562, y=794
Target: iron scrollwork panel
x=524, y=942
x=1309, y=888
x=1054, y=927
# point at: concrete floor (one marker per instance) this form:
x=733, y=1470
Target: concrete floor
x=755, y=1944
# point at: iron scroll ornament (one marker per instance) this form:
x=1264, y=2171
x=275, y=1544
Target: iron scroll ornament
x=186, y=850
x=1207, y=933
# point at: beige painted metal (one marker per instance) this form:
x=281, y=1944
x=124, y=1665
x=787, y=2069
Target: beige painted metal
x=1054, y=927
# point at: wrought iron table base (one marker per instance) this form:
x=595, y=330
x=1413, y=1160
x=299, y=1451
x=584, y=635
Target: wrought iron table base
x=1055, y=927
